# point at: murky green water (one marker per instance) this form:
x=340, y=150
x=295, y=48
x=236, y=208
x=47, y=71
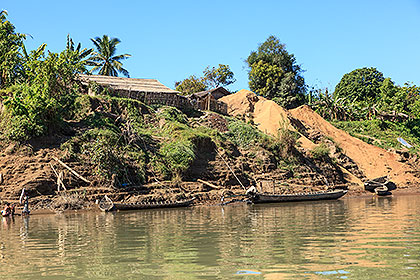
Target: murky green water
x=374, y=238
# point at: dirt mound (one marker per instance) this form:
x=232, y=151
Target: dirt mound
x=372, y=160
x=266, y=114
x=241, y=102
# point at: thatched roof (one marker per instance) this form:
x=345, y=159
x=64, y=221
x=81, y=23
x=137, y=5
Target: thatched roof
x=221, y=90
x=127, y=84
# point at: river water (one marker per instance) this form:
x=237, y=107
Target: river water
x=353, y=238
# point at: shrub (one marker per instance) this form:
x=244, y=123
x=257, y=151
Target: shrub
x=243, y=134
x=320, y=151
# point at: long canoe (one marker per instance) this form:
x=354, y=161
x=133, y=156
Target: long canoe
x=107, y=205
x=272, y=198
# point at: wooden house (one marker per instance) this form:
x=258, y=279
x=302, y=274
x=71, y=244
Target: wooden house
x=149, y=91
x=208, y=100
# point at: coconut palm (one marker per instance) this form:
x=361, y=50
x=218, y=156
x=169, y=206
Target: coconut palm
x=104, y=59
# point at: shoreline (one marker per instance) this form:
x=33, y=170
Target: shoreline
x=355, y=194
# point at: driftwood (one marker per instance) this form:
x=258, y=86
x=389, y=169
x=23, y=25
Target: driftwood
x=72, y=171
x=1, y=178
x=59, y=178
x=208, y=184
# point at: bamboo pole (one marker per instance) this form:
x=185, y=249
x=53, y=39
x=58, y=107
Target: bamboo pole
x=208, y=184
x=71, y=170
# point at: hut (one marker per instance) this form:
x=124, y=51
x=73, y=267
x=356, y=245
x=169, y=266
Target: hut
x=149, y=91
x=208, y=100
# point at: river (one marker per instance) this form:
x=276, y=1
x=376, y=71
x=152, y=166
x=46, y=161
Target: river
x=352, y=238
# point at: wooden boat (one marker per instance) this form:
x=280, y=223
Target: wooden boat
x=380, y=185
x=272, y=198
x=107, y=205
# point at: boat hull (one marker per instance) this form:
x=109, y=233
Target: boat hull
x=111, y=206
x=273, y=198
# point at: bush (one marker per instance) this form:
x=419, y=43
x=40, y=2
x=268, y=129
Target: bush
x=243, y=134
x=178, y=155
x=320, y=151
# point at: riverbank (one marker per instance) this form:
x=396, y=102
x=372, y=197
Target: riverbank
x=135, y=153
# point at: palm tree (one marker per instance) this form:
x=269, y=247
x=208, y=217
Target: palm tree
x=104, y=59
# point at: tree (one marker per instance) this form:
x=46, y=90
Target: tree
x=11, y=44
x=360, y=85
x=104, y=59
x=77, y=55
x=221, y=76
x=275, y=74
x=190, y=85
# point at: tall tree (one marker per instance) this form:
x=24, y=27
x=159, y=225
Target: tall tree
x=11, y=44
x=104, y=59
x=275, y=74
x=360, y=85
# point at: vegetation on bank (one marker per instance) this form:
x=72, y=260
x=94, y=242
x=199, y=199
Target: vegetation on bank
x=126, y=142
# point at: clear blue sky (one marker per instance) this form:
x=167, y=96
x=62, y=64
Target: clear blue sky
x=170, y=40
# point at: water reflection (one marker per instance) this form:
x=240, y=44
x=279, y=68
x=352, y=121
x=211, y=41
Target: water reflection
x=365, y=238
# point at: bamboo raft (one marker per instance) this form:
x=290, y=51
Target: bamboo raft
x=106, y=205
x=272, y=198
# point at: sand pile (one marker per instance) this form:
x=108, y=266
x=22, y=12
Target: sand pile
x=372, y=160
x=269, y=117
x=266, y=114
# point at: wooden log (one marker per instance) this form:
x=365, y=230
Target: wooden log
x=1, y=178
x=208, y=184
x=72, y=171
x=59, y=178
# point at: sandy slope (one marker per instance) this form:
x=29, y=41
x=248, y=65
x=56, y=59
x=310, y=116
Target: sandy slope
x=372, y=160
x=269, y=116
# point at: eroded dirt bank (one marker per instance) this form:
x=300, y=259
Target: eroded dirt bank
x=221, y=158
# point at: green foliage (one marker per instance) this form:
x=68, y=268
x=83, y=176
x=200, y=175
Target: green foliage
x=104, y=60
x=11, y=43
x=77, y=55
x=362, y=84
x=178, y=155
x=383, y=134
x=190, y=85
x=216, y=77
x=404, y=99
x=320, y=151
x=242, y=134
x=171, y=114
x=332, y=107
x=274, y=74
x=46, y=96
x=213, y=78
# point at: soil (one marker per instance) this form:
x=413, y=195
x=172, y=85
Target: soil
x=351, y=161
x=359, y=159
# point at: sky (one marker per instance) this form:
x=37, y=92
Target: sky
x=171, y=40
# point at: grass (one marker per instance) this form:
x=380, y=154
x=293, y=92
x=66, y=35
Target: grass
x=384, y=134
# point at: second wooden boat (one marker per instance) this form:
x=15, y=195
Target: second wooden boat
x=272, y=198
